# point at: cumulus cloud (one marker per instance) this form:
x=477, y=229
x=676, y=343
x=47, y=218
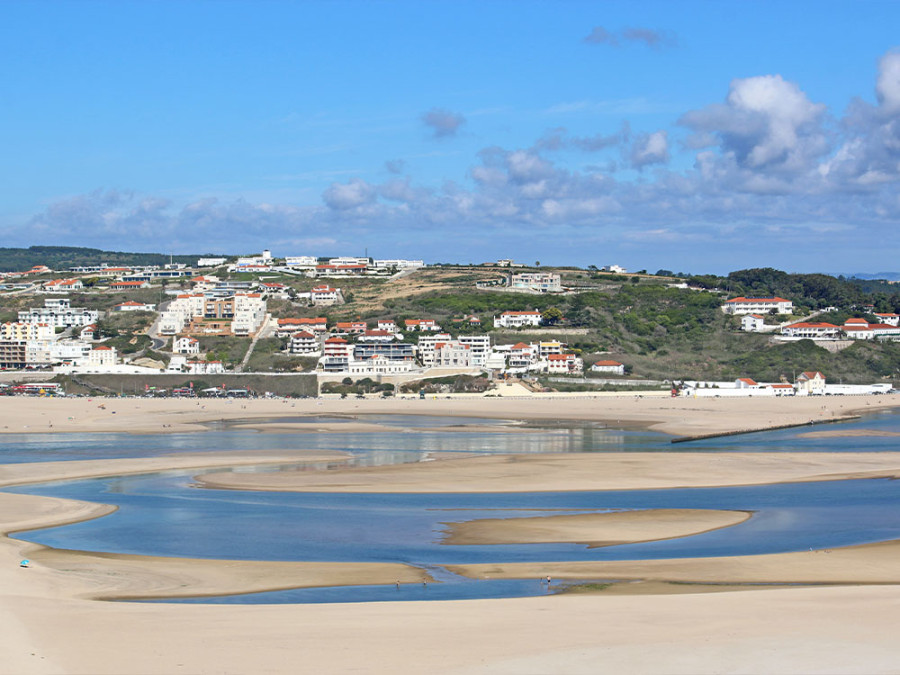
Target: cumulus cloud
x=646, y=36
x=766, y=123
x=350, y=195
x=443, y=123
x=650, y=149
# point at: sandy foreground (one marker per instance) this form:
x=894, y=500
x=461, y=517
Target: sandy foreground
x=49, y=622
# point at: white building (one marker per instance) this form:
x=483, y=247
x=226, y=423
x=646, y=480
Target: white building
x=518, y=319
x=132, y=306
x=742, y=305
x=102, y=356
x=812, y=331
x=303, y=262
x=426, y=346
x=452, y=354
x=378, y=365
x=63, y=286
x=810, y=383
x=479, y=348
x=889, y=319
x=564, y=364
x=58, y=313
x=324, y=295
x=539, y=282
x=615, y=269
x=304, y=342
x=397, y=264
x=752, y=323
x=421, y=325
x=186, y=345
x=180, y=312
x=612, y=367
x=211, y=262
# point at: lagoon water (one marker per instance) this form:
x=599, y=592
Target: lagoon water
x=164, y=514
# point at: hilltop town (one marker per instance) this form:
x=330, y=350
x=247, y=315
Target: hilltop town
x=362, y=325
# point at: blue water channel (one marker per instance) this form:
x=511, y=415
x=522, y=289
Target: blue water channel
x=164, y=514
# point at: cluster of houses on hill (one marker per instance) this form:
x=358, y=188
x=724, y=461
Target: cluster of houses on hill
x=853, y=329
x=356, y=348
x=321, y=267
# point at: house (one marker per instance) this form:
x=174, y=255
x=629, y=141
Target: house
x=331, y=270
x=88, y=333
x=742, y=305
x=889, y=319
x=452, y=354
x=615, y=269
x=538, y=282
x=132, y=306
x=205, y=367
x=511, y=319
x=426, y=346
x=783, y=389
x=421, y=325
x=289, y=326
x=377, y=336
x=337, y=355
x=102, y=356
x=387, y=324
x=752, y=323
x=325, y=295
x=63, y=286
x=379, y=365
x=350, y=327
x=860, y=329
x=304, y=342
x=812, y=330
x=128, y=285
x=810, y=383
x=548, y=347
x=564, y=364
x=59, y=313
x=612, y=367
x=522, y=356
x=186, y=345
x=746, y=383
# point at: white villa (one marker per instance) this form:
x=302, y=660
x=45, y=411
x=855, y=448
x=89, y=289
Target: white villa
x=186, y=345
x=539, y=282
x=752, y=323
x=518, y=319
x=742, y=305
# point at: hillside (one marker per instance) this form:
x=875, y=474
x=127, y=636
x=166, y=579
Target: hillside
x=64, y=257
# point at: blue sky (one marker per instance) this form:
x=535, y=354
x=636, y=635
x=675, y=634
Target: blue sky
x=692, y=136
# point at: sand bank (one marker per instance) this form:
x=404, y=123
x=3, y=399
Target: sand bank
x=680, y=416
x=851, y=433
x=592, y=529
x=585, y=471
x=866, y=564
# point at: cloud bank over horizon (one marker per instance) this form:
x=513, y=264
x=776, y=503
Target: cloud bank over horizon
x=765, y=174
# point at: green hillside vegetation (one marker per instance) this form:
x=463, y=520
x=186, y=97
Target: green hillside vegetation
x=64, y=257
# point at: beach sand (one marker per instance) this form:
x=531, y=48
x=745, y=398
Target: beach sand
x=48, y=624
x=592, y=529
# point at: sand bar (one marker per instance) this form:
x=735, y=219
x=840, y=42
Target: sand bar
x=584, y=471
x=679, y=416
x=592, y=529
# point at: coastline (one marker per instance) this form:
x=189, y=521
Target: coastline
x=46, y=617
x=675, y=416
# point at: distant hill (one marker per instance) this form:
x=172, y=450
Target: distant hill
x=887, y=276
x=63, y=257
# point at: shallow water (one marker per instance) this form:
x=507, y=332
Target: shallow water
x=162, y=514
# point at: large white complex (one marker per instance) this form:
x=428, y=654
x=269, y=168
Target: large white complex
x=59, y=313
x=539, y=282
x=742, y=305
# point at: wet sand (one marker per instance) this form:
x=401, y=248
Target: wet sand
x=592, y=529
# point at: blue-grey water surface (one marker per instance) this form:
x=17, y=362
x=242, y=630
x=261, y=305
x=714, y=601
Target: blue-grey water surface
x=162, y=514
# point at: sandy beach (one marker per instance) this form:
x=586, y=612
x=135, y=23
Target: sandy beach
x=51, y=621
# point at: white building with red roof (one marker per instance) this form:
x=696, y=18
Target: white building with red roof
x=421, y=325
x=890, y=319
x=324, y=295
x=102, y=356
x=608, y=366
x=810, y=383
x=564, y=364
x=752, y=323
x=812, y=330
x=512, y=319
x=186, y=345
x=288, y=326
x=742, y=305
x=63, y=286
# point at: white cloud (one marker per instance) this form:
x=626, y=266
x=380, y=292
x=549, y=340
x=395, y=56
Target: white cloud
x=650, y=149
x=350, y=195
x=443, y=123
